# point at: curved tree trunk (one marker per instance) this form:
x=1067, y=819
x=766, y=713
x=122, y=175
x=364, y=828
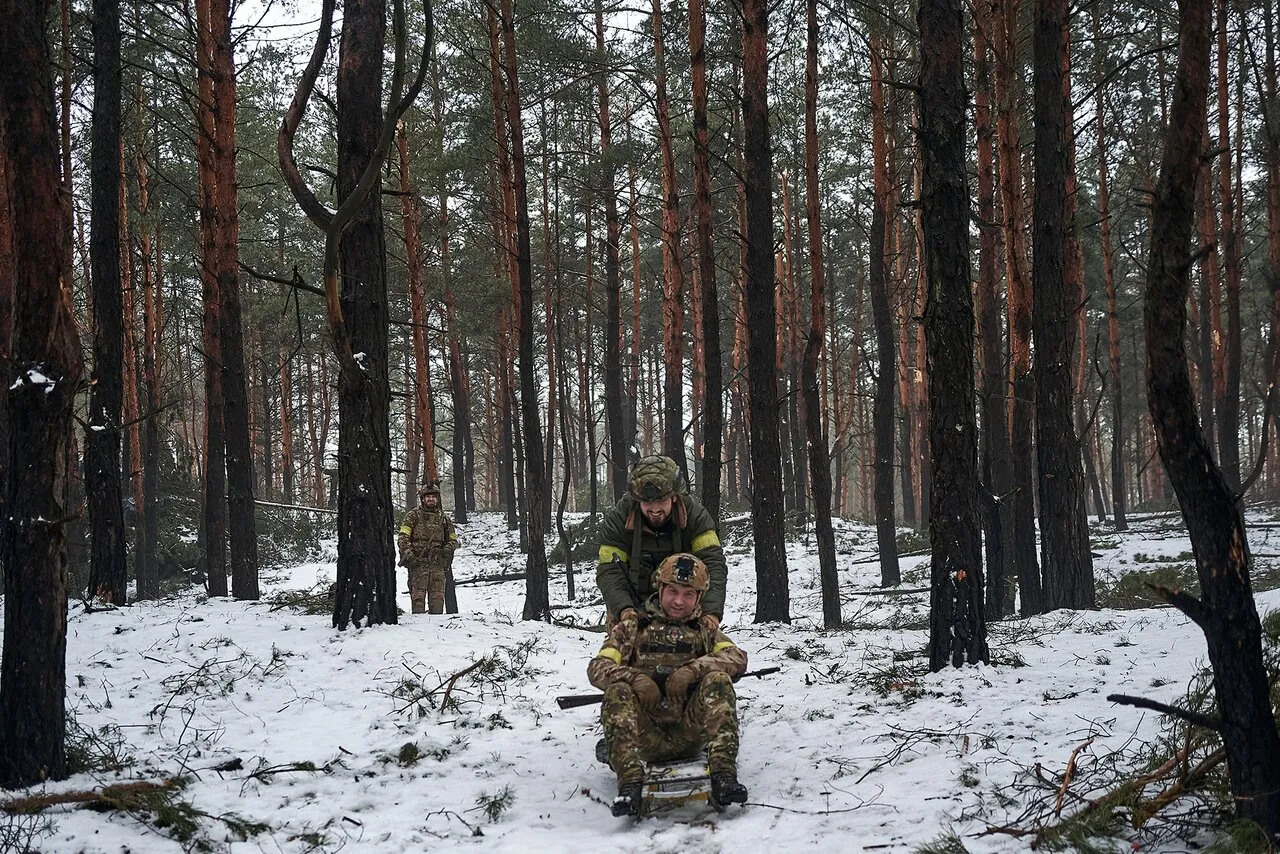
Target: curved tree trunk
x=1226, y=611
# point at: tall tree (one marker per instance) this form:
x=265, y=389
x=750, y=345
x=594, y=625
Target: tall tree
x=614, y=418
x=772, y=592
x=672, y=264
x=1066, y=562
x=997, y=469
x=357, y=314
x=1119, y=492
x=240, y=521
x=537, y=604
x=1212, y=513
x=1022, y=410
x=41, y=376
x=102, y=475
x=882, y=318
x=957, y=626
x=815, y=435
x=712, y=399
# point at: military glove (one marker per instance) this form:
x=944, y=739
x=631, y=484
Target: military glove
x=711, y=622
x=404, y=559
x=678, y=685
x=647, y=692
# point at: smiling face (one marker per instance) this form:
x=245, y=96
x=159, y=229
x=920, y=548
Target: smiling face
x=431, y=500
x=657, y=512
x=678, y=601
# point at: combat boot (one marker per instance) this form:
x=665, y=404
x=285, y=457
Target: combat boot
x=628, y=800
x=602, y=752
x=725, y=788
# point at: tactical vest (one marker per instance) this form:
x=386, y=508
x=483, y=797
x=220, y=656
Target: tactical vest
x=668, y=645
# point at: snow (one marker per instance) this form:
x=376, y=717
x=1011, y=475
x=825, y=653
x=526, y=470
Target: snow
x=852, y=746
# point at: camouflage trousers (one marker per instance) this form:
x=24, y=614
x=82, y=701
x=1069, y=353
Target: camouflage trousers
x=634, y=737
x=426, y=582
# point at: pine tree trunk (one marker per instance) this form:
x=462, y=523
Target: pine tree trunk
x=1226, y=612
x=997, y=473
x=672, y=265
x=365, y=593
x=102, y=463
x=1066, y=562
x=1021, y=426
x=815, y=435
x=1229, y=410
x=214, y=529
x=1119, y=484
x=958, y=632
x=614, y=416
x=146, y=566
x=239, y=461
x=412, y=217
x=537, y=604
x=772, y=589
x=40, y=378
x=886, y=347
x=712, y=399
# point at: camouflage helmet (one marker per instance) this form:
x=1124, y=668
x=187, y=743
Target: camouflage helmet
x=653, y=478
x=682, y=568
x=431, y=487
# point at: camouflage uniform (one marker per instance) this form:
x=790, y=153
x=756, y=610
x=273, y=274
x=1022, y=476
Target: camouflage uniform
x=709, y=716
x=427, y=542
x=630, y=550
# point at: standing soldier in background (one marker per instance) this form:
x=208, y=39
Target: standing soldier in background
x=656, y=519
x=427, y=542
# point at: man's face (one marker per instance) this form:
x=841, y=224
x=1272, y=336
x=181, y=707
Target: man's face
x=431, y=500
x=656, y=512
x=678, y=601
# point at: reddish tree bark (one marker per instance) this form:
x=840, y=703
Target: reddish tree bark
x=40, y=378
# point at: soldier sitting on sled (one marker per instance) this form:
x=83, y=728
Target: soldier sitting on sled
x=668, y=688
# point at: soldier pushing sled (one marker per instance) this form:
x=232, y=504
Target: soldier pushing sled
x=667, y=679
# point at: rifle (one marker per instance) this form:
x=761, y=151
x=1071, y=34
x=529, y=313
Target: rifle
x=573, y=701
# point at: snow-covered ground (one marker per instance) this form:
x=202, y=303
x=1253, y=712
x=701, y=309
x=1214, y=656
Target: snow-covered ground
x=342, y=745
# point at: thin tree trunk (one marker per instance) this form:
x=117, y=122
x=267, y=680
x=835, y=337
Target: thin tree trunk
x=672, y=266
x=997, y=471
x=886, y=347
x=815, y=435
x=241, y=527
x=1021, y=424
x=412, y=217
x=772, y=589
x=102, y=464
x=537, y=602
x=1229, y=410
x=612, y=277
x=1119, y=491
x=214, y=533
x=712, y=400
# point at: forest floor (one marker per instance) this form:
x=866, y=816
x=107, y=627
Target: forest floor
x=274, y=732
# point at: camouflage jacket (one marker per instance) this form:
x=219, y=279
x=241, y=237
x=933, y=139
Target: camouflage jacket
x=662, y=642
x=630, y=551
x=426, y=532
